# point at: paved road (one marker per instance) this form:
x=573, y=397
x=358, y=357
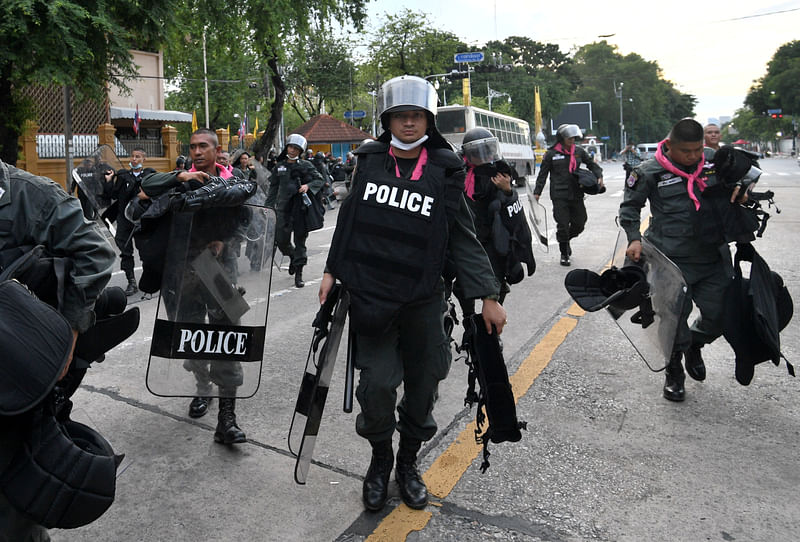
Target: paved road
x=604, y=456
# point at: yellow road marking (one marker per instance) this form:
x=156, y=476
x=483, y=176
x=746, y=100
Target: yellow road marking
x=448, y=468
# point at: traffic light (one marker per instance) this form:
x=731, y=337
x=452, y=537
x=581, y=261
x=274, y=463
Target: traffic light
x=777, y=115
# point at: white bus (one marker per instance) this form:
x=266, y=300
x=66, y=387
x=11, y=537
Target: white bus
x=514, y=134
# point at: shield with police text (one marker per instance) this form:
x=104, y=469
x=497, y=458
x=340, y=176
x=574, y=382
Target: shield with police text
x=92, y=183
x=210, y=328
x=537, y=215
x=652, y=326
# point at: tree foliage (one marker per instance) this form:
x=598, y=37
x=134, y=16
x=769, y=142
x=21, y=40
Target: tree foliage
x=80, y=43
x=236, y=84
x=319, y=73
x=650, y=104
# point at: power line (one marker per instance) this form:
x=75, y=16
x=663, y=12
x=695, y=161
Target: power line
x=757, y=15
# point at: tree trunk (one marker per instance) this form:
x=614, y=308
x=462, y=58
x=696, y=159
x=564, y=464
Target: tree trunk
x=9, y=123
x=267, y=141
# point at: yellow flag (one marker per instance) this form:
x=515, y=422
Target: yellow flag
x=537, y=119
x=194, y=121
x=466, y=92
x=255, y=129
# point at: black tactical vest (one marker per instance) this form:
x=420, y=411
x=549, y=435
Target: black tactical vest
x=389, y=246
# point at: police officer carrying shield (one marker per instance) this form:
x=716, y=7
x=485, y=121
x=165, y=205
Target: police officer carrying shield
x=405, y=216
x=293, y=182
x=495, y=210
x=560, y=162
x=679, y=185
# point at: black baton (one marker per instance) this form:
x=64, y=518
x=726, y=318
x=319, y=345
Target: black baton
x=349, y=375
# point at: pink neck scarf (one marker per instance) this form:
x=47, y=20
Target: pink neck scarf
x=223, y=172
x=695, y=177
x=572, y=163
x=421, y=161
x=469, y=182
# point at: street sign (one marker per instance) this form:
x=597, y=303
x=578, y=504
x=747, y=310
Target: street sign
x=605, y=137
x=356, y=114
x=468, y=57
x=774, y=111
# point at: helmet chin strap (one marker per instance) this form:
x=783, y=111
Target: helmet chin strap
x=408, y=146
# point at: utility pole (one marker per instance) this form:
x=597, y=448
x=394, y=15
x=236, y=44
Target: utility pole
x=618, y=91
x=205, y=75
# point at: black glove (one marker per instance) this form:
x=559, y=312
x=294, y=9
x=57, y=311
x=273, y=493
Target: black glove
x=217, y=192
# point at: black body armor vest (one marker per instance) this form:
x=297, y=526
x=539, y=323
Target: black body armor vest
x=389, y=248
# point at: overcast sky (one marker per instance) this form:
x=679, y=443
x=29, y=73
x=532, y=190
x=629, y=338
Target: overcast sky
x=713, y=50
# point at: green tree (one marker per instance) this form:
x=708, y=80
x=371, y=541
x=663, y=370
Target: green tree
x=319, y=73
x=651, y=105
x=79, y=43
x=405, y=44
x=778, y=89
x=273, y=23
x=236, y=81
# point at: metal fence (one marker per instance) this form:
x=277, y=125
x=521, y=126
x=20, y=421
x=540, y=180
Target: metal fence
x=153, y=147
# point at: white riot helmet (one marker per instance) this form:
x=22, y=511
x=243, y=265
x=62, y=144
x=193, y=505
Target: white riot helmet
x=566, y=131
x=297, y=140
x=480, y=147
x=406, y=93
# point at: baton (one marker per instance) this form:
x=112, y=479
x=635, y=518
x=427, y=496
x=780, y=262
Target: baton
x=349, y=375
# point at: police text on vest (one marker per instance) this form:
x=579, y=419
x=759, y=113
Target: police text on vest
x=408, y=200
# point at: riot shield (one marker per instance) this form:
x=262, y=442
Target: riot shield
x=667, y=292
x=537, y=215
x=93, y=183
x=316, y=381
x=210, y=326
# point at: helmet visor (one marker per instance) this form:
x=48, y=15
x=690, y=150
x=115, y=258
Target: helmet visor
x=570, y=130
x=482, y=151
x=407, y=92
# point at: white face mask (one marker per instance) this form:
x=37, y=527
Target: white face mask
x=408, y=146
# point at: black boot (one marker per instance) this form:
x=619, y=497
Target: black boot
x=565, y=252
x=131, y=289
x=298, y=277
x=227, y=431
x=694, y=363
x=376, y=482
x=673, y=385
x=412, y=488
x=198, y=407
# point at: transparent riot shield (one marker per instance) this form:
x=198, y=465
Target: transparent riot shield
x=210, y=328
x=537, y=215
x=667, y=293
x=307, y=417
x=92, y=181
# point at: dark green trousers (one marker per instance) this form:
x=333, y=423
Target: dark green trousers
x=414, y=352
x=707, y=283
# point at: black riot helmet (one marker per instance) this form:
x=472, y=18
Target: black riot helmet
x=481, y=147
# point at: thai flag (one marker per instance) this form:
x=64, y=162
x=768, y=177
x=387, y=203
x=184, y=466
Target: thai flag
x=136, y=121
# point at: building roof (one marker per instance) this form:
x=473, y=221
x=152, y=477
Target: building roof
x=326, y=129
x=149, y=114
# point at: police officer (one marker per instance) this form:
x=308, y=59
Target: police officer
x=560, y=162
x=406, y=214
x=127, y=186
x=36, y=211
x=491, y=199
x=711, y=137
x=684, y=228
x=211, y=229
x=293, y=182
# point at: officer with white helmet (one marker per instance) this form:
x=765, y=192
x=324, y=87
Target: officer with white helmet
x=292, y=183
x=560, y=162
x=405, y=216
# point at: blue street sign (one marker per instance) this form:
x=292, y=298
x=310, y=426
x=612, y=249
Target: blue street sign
x=356, y=114
x=774, y=111
x=605, y=137
x=468, y=57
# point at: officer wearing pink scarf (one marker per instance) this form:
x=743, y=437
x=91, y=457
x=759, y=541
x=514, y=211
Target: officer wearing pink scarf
x=560, y=162
x=684, y=229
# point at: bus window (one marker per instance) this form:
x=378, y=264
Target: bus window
x=449, y=122
x=483, y=120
